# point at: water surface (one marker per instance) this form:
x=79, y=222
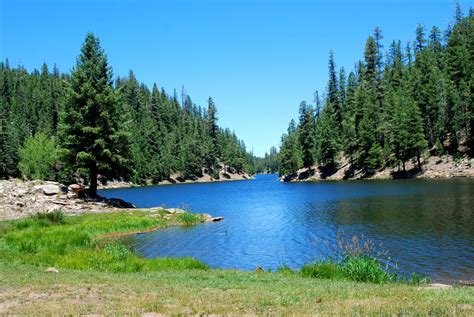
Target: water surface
x=427, y=225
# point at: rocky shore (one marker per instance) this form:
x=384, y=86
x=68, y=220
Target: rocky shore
x=224, y=176
x=19, y=199
x=432, y=168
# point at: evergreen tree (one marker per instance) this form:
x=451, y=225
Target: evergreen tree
x=290, y=152
x=213, y=130
x=327, y=137
x=306, y=134
x=333, y=94
x=91, y=132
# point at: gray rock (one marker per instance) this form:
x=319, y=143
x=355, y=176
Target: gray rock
x=174, y=211
x=50, y=190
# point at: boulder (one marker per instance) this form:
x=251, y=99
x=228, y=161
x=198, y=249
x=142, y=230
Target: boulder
x=50, y=190
x=76, y=188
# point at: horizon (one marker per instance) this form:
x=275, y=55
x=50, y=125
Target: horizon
x=258, y=94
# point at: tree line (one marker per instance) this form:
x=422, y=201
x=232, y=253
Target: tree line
x=84, y=124
x=403, y=104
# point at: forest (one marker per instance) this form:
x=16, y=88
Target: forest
x=86, y=124
x=409, y=102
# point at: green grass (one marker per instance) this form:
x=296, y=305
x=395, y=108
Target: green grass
x=189, y=219
x=29, y=290
x=353, y=268
x=86, y=242
x=99, y=274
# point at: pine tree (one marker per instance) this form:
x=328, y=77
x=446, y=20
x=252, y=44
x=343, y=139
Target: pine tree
x=213, y=130
x=8, y=144
x=306, y=134
x=333, y=94
x=290, y=151
x=420, y=41
x=91, y=132
x=459, y=60
x=327, y=137
x=349, y=124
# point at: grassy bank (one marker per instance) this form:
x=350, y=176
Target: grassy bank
x=90, y=241
x=98, y=274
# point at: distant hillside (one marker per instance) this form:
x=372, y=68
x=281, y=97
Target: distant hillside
x=393, y=112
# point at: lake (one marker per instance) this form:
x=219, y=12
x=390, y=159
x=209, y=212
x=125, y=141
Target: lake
x=427, y=226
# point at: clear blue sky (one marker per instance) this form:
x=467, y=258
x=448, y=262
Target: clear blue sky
x=257, y=59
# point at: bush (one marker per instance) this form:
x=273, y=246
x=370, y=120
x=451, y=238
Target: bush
x=38, y=157
x=189, y=219
x=215, y=174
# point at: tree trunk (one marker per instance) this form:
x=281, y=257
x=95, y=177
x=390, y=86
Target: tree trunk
x=418, y=160
x=93, y=181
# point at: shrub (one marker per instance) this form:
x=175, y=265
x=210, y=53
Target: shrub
x=38, y=157
x=215, y=174
x=189, y=219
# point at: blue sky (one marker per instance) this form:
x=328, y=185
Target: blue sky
x=257, y=59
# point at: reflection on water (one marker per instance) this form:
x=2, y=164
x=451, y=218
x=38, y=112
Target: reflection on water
x=428, y=226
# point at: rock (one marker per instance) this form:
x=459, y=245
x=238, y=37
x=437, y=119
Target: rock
x=438, y=286
x=209, y=218
x=119, y=203
x=20, y=192
x=53, y=208
x=174, y=211
x=71, y=195
x=52, y=270
x=51, y=190
x=76, y=188
x=156, y=209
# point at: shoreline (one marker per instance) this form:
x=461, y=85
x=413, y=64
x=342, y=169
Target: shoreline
x=21, y=199
x=433, y=168
x=172, y=218
x=175, y=181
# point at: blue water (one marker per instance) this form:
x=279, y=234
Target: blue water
x=426, y=226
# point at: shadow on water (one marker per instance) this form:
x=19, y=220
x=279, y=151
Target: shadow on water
x=428, y=226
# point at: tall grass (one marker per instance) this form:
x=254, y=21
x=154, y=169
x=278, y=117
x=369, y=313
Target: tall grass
x=189, y=219
x=356, y=259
